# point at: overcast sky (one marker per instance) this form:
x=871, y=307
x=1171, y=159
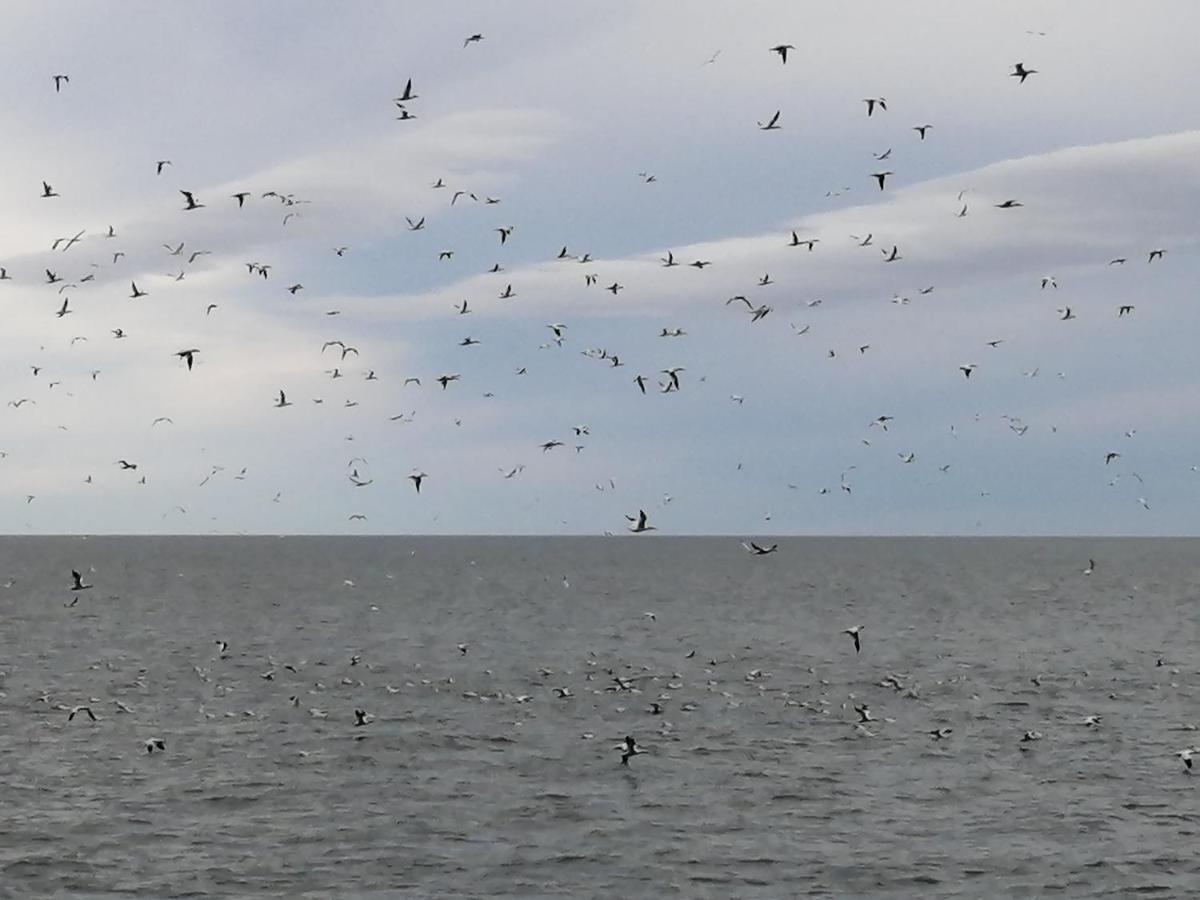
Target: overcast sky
x=622, y=131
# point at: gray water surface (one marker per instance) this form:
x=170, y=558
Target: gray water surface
x=474, y=779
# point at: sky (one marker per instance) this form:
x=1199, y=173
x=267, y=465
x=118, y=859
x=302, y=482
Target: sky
x=608, y=137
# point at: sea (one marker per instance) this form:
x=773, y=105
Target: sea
x=499, y=677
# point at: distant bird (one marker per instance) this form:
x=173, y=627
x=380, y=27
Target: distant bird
x=1048, y=281
x=782, y=50
x=416, y=479
x=62, y=310
x=136, y=293
x=78, y=584
x=59, y=81
x=126, y=465
x=941, y=733
x=444, y=380
x=921, y=129
x=639, y=524
x=1008, y=204
x=1064, y=313
x=188, y=355
x=191, y=201
x=880, y=177
x=240, y=197
x=1109, y=457
x=1091, y=567
x=154, y=744
x=473, y=39
x=893, y=255
x=84, y=709
x=872, y=102
x=758, y=550
x=855, y=632
x=968, y=369
x=1186, y=756
x=772, y=123
x=1124, y=309
x=1019, y=71
x=629, y=749
x=48, y=191
x=1155, y=254
x=282, y=401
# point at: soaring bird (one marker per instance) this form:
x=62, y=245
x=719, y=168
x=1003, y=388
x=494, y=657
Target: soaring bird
x=191, y=201
x=188, y=355
x=1019, y=71
x=772, y=123
x=473, y=39
x=880, y=177
x=872, y=102
x=854, y=633
x=639, y=524
x=782, y=50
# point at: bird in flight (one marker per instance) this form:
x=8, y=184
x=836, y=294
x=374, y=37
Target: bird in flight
x=48, y=191
x=191, y=201
x=1019, y=71
x=78, y=584
x=880, y=177
x=416, y=478
x=757, y=549
x=782, y=50
x=921, y=129
x=59, y=81
x=639, y=524
x=188, y=355
x=473, y=39
x=772, y=123
x=872, y=102
x=855, y=633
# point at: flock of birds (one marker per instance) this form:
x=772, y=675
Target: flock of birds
x=670, y=378
x=616, y=682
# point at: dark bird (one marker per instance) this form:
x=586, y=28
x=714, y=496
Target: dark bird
x=1155, y=254
x=191, y=201
x=782, y=50
x=48, y=191
x=1008, y=204
x=854, y=633
x=62, y=310
x=1124, y=309
x=408, y=94
x=78, y=582
x=880, y=177
x=136, y=293
x=639, y=524
x=921, y=129
x=893, y=255
x=772, y=123
x=629, y=749
x=757, y=550
x=240, y=197
x=473, y=39
x=871, y=103
x=416, y=478
x=1019, y=71
x=59, y=81
x=188, y=355
x=158, y=165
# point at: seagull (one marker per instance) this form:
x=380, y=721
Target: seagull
x=639, y=525
x=893, y=255
x=854, y=633
x=1048, y=281
x=191, y=201
x=1186, y=756
x=880, y=177
x=282, y=401
x=772, y=123
x=1155, y=254
x=629, y=749
x=155, y=744
x=188, y=355
x=62, y=310
x=136, y=293
x=1019, y=71
x=360, y=717
x=1091, y=567
x=91, y=715
x=1092, y=721
x=871, y=103
x=940, y=733
x=408, y=94
x=757, y=550
x=1124, y=310
x=473, y=39
x=921, y=129
x=416, y=479
x=48, y=191
x=78, y=579
x=968, y=369
x=59, y=81
x=782, y=50
x=1008, y=204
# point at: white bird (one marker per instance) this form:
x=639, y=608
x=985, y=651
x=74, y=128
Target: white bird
x=854, y=633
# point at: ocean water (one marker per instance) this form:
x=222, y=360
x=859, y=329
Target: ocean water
x=473, y=778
